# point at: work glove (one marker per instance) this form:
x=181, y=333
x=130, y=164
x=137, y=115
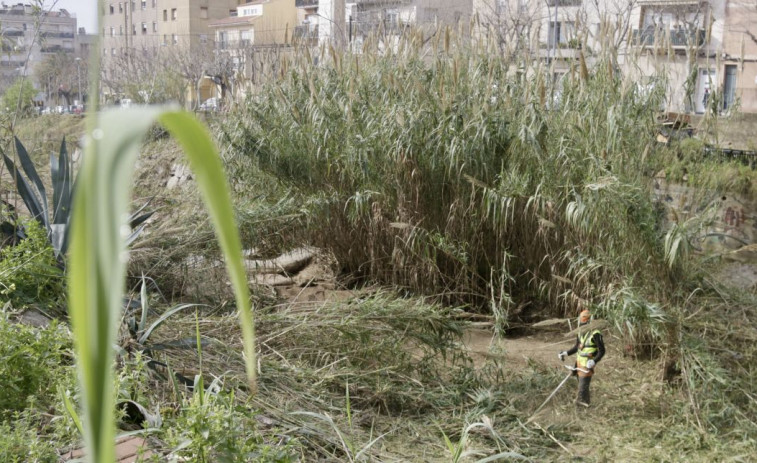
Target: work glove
x=562, y=355
x=590, y=364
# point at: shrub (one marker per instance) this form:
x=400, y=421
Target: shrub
x=29, y=271
x=20, y=443
x=33, y=362
x=212, y=426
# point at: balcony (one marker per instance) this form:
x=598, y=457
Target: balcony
x=679, y=38
x=234, y=44
x=61, y=35
x=306, y=3
x=560, y=3
x=57, y=49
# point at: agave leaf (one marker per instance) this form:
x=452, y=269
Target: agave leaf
x=25, y=190
x=62, y=185
x=31, y=174
x=134, y=235
x=135, y=221
x=145, y=305
x=152, y=420
x=146, y=334
x=59, y=238
x=97, y=263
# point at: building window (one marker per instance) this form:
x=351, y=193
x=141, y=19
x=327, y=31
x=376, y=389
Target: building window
x=113, y=52
x=133, y=29
x=144, y=4
x=165, y=39
x=173, y=14
x=112, y=31
x=154, y=26
x=245, y=38
x=120, y=30
x=174, y=39
x=154, y=3
x=144, y=28
x=165, y=15
x=112, y=10
x=560, y=33
x=203, y=38
x=120, y=7
x=203, y=12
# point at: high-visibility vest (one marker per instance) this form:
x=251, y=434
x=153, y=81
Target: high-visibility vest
x=586, y=350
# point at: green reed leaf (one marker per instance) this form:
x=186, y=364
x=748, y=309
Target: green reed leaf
x=98, y=253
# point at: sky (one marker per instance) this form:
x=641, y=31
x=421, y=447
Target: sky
x=85, y=10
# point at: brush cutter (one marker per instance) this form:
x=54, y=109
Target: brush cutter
x=572, y=370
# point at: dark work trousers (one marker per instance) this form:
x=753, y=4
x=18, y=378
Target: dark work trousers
x=583, y=390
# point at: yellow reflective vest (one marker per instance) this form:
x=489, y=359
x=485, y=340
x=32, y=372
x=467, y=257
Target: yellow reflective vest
x=587, y=349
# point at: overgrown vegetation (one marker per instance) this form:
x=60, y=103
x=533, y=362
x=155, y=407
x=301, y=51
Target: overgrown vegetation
x=29, y=271
x=463, y=178
x=475, y=190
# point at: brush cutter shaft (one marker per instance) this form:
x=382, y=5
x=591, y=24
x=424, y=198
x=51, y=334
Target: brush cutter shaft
x=552, y=394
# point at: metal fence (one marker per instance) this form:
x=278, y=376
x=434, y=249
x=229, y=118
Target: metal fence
x=745, y=157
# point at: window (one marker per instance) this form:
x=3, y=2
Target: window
x=560, y=33
x=133, y=29
x=245, y=38
x=112, y=31
x=391, y=16
x=203, y=38
x=173, y=14
x=174, y=38
x=154, y=3
x=121, y=30
x=165, y=39
x=120, y=7
x=112, y=10
x=144, y=4
x=203, y=12
x=154, y=26
x=165, y=15
x=113, y=52
x=144, y=28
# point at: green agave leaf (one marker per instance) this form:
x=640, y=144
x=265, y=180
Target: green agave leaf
x=25, y=190
x=144, y=303
x=97, y=257
x=62, y=183
x=31, y=174
x=146, y=335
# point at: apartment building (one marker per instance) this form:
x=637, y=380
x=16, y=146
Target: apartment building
x=151, y=24
x=28, y=35
x=739, y=58
x=255, y=23
x=339, y=22
x=704, y=50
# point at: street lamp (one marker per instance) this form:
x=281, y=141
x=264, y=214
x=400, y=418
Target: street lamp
x=78, y=78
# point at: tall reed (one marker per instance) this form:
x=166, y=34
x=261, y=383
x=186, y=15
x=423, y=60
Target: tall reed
x=457, y=172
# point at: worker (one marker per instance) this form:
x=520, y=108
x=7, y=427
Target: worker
x=590, y=349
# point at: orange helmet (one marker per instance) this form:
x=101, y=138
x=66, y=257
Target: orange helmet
x=584, y=317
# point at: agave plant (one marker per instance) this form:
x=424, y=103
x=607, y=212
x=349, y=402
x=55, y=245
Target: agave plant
x=55, y=220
